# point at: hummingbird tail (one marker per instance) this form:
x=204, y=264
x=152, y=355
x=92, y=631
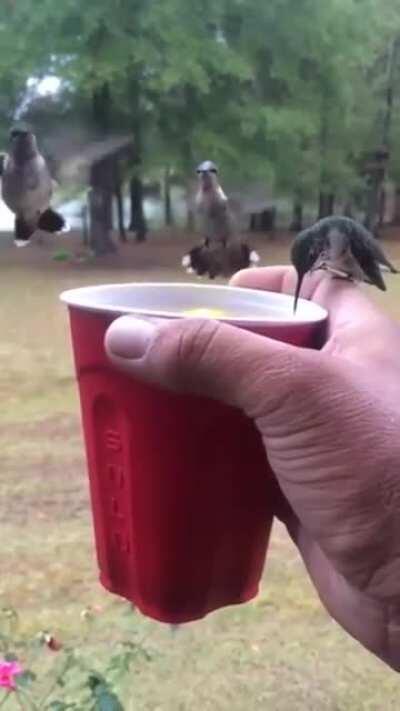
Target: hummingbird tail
x=23, y=231
x=51, y=221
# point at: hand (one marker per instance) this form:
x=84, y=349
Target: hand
x=330, y=422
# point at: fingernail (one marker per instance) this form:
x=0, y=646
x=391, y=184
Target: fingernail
x=129, y=337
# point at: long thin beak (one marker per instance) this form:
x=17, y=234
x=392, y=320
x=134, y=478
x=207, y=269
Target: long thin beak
x=300, y=278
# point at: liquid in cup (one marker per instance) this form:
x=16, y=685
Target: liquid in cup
x=181, y=491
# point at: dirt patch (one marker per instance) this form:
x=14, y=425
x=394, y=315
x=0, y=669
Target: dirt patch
x=45, y=490
x=50, y=484
x=53, y=428
x=162, y=250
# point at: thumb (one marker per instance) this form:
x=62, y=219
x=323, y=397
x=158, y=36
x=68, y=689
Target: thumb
x=209, y=358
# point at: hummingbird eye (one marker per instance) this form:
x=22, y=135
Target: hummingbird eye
x=18, y=132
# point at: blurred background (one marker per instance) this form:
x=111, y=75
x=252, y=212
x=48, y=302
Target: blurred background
x=298, y=102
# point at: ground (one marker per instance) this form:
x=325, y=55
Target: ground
x=282, y=652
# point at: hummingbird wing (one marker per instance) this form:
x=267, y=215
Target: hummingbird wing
x=380, y=256
x=217, y=259
x=367, y=260
x=204, y=260
x=239, y=255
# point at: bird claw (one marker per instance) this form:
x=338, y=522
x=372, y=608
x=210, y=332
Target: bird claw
x=67, y=228
x=344, y=277
x=254, y=258
x=21, y=242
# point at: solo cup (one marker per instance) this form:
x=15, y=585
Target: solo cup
x=181, y=490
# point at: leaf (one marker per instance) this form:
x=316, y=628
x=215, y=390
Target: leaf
x=104, y=698
x=107, y=701
x=11, y=657
x=26, y=678
x=247, y=83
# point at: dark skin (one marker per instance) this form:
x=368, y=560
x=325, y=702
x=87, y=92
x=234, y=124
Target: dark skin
x=330, y=421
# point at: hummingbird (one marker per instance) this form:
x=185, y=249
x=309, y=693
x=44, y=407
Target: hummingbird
x=343, y=247
x=221, y=252
x=27, y=188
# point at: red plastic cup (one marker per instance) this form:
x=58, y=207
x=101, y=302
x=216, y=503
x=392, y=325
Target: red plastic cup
x=181, y=490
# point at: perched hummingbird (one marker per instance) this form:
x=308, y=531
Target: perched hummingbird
x=221, y=252
x=344, y=248
x=27, y=188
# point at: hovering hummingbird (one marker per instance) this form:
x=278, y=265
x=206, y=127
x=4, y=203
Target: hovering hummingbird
x=344, y=248
x=221, y=252
x=27, y=188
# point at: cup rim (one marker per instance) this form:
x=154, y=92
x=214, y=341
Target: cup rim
x=75, y=298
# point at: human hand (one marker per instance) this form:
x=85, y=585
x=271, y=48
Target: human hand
x=330, y=422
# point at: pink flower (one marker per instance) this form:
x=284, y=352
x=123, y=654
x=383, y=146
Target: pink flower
x=8, y=672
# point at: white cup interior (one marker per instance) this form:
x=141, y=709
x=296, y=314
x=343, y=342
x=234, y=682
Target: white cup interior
x=171, y=300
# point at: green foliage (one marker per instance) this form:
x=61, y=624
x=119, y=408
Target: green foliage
x=290, y=92
x=62, y=256
x=60, y=677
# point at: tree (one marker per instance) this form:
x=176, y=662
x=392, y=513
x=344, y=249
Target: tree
x=286, y=93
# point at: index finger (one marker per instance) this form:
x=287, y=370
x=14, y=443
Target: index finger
x=346, y=302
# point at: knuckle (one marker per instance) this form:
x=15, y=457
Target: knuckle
x=195, y=340
x=183, y=346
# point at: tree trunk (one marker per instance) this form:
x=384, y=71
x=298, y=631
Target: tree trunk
x=120, y=210
x=100, y=206
x=348, y=208
x=101, y=108
x=189, y=166
x=85, y=225
x=373, y=199
x=396, y=215
x=296, y=224
x=190, y=216
x=101, y=181
x=326, y=199
x=378, y=166
x=326, y=204
x=168, y=214
x=138, y=221
x=382, y=206
x=100, y=209
x=391, y=84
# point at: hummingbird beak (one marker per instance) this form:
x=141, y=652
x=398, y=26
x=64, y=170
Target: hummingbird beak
x=300, y=278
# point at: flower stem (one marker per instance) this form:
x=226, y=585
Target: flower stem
x=5, y=698
x=64, y=668
x=27, y=698
x=19, y=701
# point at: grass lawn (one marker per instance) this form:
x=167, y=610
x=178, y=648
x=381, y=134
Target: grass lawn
x=279, y=653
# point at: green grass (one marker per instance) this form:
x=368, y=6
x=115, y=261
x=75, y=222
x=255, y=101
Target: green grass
x=281, y=652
